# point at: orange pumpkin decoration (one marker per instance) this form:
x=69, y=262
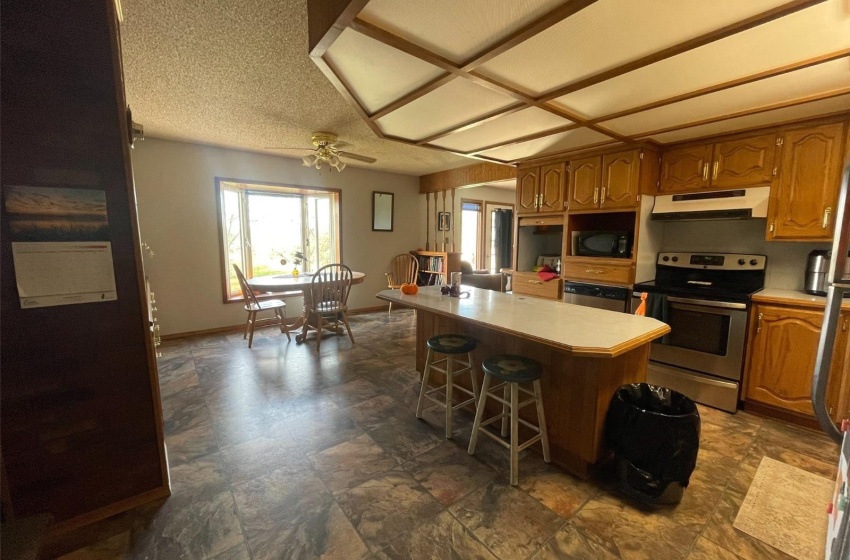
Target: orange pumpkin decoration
x=409, y=289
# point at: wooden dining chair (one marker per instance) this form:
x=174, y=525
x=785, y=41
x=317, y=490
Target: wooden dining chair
x=405, y=270
x=254, y=306
x=329, y=298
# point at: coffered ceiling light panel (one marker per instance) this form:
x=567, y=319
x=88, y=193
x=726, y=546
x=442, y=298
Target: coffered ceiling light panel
x=454, y=103
x=563, y=141
x=797, y=112
x=610, y=33
x=515, y=125
x=378, y=74
x=823, y=78
x=825, y=27
x=457, y=30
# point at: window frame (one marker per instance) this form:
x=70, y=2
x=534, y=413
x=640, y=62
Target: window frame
x=265, y=186
x=479, y=235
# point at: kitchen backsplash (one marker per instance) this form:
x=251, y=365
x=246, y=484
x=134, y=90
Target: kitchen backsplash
x=786, y=261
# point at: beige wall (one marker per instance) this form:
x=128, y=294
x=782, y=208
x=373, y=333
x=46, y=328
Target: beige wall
x=786, y=260
x=175, y=188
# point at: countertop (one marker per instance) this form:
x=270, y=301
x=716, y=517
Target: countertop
x=794, y=297
x=584, y=331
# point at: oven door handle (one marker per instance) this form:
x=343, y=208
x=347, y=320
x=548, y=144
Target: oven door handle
x=707, y=303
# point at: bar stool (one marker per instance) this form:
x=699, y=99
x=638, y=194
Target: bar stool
x=511, y=370
x=452, y=345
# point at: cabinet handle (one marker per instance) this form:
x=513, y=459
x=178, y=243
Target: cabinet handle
x=535, y=282
x=844, y=326
x=594, y=271
x=596, y=195
x=714, y=171
x=705, y=171
x=602, y=198
x=758, y=325
x=827, y=214
x=771, y=227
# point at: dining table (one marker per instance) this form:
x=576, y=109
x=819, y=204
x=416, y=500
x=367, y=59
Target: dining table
x=289, y=283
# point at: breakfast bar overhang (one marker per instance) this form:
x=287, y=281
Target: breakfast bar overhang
x=586, y=353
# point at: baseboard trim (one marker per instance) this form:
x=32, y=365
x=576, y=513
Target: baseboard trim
x=241, y=326
x=127, y=504
x=785, y=415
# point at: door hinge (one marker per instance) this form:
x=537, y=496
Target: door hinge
x=637, y=199
x=771, y=226
x=568, y=168
x=641, y=154
x=775, y=171
x=779, y=141
x=844, y=326
x=758, y=325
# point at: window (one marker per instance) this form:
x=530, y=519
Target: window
x=470, y=232
x=262, y=224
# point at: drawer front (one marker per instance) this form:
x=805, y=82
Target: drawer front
x=604, y=273
x=542, y=221
x=532, y=285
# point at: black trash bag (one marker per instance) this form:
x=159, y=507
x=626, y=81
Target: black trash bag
x=654, y=433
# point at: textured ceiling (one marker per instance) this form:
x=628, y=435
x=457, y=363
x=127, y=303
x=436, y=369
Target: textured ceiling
x=237, y=74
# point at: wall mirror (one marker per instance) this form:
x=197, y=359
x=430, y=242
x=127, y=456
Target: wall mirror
x=382, y=211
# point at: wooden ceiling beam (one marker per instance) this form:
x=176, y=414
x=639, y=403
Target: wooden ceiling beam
x=526, y=138
x=762, y=109
x=327, y=19
x=685, y=46
x=521, y=35
x=412, y=96
x=471, y=123
x=778, y=71
x=468, y=176
x=346, y=91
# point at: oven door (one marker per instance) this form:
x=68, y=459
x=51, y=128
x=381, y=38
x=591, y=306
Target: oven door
x=705, y=336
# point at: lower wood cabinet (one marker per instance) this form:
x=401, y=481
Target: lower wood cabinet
x=781, y=354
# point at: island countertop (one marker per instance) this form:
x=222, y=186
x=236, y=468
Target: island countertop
x=582, y=331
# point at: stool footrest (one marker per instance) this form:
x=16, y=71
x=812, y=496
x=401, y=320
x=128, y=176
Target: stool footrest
x=503, y=401
x=454, y=407
x=530, y=442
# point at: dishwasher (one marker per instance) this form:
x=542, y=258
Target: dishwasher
x=612, y=298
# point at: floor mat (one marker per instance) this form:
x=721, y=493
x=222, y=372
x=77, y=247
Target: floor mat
x=785, y=507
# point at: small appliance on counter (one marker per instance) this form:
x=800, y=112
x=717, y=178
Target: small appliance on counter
x=817, y=270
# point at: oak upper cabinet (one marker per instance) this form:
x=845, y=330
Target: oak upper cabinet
x=527, y=184
x=541, y=189
x=781, y=358
x=585, y=177
x=553, y=182
x=620, y=180
x=745, y=162
x=685, y=169
x=804, y=196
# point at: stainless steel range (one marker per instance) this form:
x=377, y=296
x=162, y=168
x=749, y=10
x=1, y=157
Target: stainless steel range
x=705, y=298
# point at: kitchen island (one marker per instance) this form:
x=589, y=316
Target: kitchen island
x=586, y=354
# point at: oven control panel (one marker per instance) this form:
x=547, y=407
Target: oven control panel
x=713, y=261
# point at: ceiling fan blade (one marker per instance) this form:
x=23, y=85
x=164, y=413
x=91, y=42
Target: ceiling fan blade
x=339, y=145
x=286, y=148
x=356, y=157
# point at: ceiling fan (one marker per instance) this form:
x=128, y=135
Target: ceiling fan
x=326, y=150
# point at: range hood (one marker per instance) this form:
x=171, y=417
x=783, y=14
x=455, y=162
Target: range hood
x=715, y=205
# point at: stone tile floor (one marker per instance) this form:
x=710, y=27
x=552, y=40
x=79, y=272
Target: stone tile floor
x=282, y=452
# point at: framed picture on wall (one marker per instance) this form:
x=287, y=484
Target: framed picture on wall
x=382, y=211
x=444, y=221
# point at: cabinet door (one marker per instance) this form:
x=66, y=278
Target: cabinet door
x=620, y=180
x=552, y=183
x=740, y=163
x=803, y=199
x=782, y=357
x=838, y=388
x=527, y=184
x=585, y=177
x=685, y=169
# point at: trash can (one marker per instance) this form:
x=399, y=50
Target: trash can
x=654, y=433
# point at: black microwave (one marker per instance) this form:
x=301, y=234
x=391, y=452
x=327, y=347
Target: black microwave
x=617, y=244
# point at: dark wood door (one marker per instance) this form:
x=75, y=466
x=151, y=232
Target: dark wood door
x=552, y=185
x=585, y=177
x=527, y=186
x=620, y=180
x=804, y=197
x=685, y=169
x=743, y=163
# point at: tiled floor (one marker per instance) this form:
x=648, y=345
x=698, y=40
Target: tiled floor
x=279, y=452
